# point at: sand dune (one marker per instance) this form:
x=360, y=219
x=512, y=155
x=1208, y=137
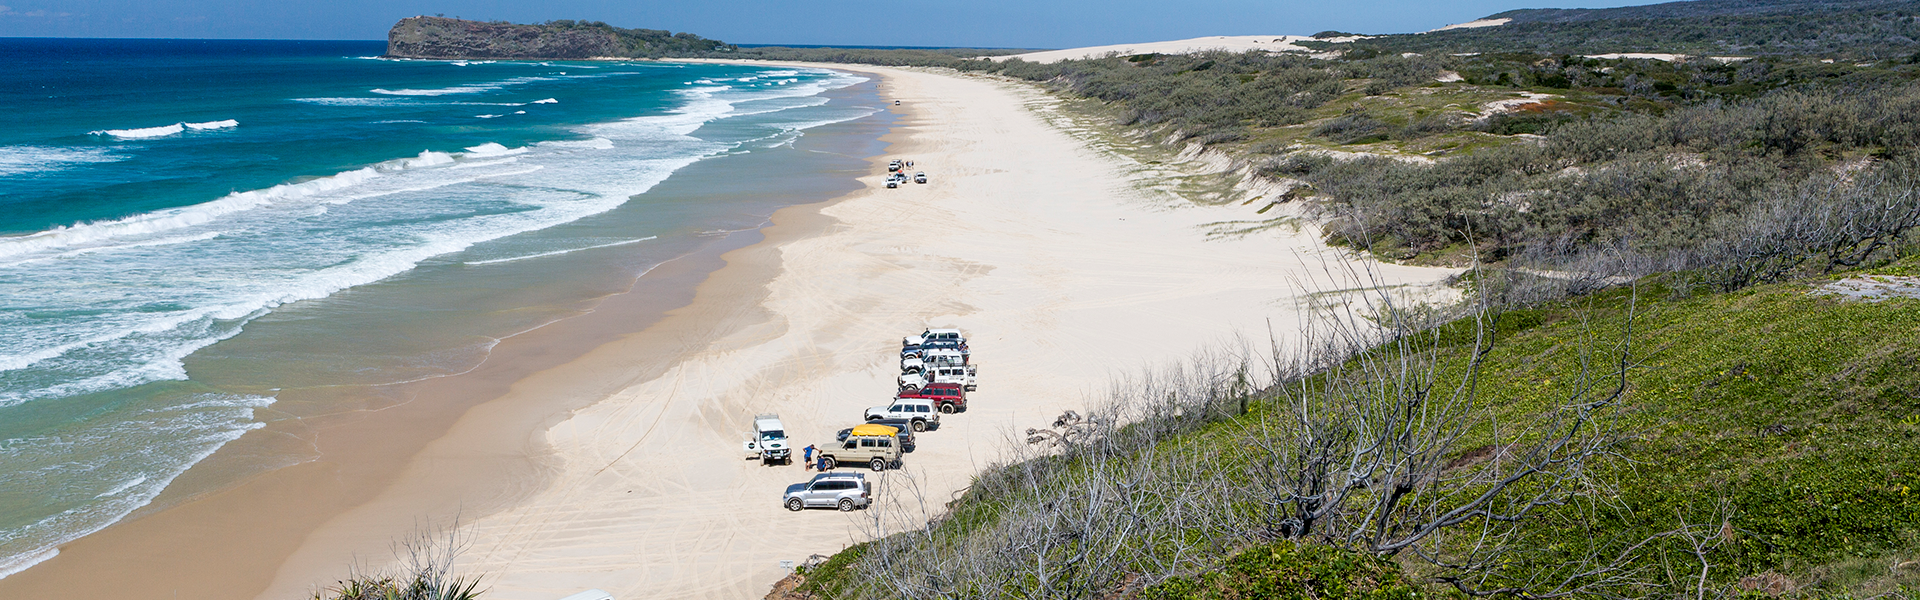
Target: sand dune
x=1060, y=268
x=1230, y=43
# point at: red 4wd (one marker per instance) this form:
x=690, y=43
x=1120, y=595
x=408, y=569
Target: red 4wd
x=948, y=397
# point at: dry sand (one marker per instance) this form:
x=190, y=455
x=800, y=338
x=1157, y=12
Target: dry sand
x=1062, y=271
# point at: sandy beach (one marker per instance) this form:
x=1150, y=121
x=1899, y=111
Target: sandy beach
x=604, y=451
x=1063, y=272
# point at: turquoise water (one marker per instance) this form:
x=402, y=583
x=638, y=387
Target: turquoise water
x=189, y=227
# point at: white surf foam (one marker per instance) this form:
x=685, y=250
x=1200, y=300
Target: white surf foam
x=213, y=124
x=471, y=88
x=164, y=130
x=198, y=214
x=145, y=132
x=21, y=160
x=545, y=101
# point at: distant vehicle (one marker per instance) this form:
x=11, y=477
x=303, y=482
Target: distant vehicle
x=903, y=427
x=964, y=375
x=933, y=358
x=893, y=183
x=895, y=166
x=768, y=441
x=845, y=491
x=920, y=177
x=934, y=335
x=916, y=350
x=919, y=413
x=948, y=397
x=875, y=445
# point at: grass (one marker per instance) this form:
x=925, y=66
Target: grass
x=1792, y=420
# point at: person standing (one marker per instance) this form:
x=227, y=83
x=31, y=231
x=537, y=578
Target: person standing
x=806, y=460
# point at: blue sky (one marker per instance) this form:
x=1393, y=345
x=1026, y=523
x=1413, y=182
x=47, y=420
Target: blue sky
x=977, y=23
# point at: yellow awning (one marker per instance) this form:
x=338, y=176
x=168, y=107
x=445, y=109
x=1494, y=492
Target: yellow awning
x=873, y=429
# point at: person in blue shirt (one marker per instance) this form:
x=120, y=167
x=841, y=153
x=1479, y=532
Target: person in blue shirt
x=806, y=462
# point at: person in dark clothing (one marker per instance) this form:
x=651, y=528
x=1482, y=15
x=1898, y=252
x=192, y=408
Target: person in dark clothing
x=806, y=460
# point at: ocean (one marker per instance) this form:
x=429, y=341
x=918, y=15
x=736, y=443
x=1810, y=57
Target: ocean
x=192, y=231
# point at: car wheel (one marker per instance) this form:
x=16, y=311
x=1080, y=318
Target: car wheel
x=919, y=425
x=846, y=505
x=878, y=465
x=871, y=418
x=829, y=463
x=946, y=408
x=794, y=504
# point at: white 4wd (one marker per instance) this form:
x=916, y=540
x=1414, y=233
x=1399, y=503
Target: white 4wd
x=768, y=441
x=965, y=375
x=932, y=358
x=919, y=412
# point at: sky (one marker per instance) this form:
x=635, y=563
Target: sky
x=944, y=23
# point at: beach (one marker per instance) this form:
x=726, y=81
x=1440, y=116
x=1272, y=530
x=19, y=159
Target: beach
x=604, y=450
x=1063, y=273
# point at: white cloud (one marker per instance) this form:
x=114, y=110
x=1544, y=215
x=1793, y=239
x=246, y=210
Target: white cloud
x=8, y=11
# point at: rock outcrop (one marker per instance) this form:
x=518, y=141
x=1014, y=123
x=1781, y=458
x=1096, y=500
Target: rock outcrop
x=440, y=37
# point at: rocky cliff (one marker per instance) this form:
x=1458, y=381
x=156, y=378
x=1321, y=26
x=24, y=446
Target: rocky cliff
x=439, y=37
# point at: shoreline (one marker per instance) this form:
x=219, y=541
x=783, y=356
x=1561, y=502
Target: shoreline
x=619, y=467
x=184, y=543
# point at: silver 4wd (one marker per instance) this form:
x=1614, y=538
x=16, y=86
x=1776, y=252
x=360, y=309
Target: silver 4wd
x=965, y=375
x=845, y=491
x=768, y=441
x=918, y=412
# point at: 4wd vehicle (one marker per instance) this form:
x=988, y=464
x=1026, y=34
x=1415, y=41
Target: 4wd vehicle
x=875, y=445
x=920, y=177
x=768, y=441
x=915, y=350
x=934, y=335
x=964, y=375
x=919, y=413
x=903, y=427
x=892, y=183
x=845, y=491
x=933, y=358
x=895, y=165
x=948, y=397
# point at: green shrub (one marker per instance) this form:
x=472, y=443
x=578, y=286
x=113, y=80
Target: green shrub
x=1290, y=571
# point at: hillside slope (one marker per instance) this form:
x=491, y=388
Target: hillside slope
x=1866, y=29
x=443, y=38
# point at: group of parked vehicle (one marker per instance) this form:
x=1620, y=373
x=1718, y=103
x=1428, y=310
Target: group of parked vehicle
x=897, y=173
x=935, y=376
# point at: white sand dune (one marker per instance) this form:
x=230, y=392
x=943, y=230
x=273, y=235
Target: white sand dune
x=1665, y=57
x=1229, y=43
x=1473, y=24
x=1062, y=271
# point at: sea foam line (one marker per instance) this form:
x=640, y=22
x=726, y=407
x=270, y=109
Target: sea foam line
x=558, y=252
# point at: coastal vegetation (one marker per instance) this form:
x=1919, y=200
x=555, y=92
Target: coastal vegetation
x=1640, y=441
x=441, y=37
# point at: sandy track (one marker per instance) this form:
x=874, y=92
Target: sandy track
x=1061, y=271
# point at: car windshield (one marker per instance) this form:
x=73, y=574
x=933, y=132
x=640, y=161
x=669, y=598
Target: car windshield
x=773, y=435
